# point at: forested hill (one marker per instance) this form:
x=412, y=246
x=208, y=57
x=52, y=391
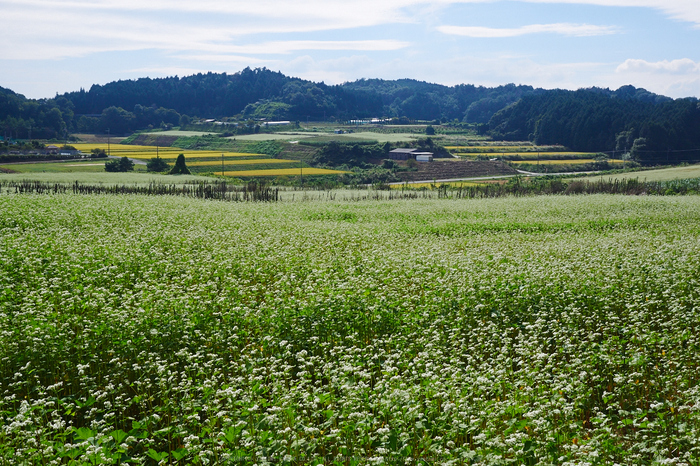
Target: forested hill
x=262, y=93
x=656, y=129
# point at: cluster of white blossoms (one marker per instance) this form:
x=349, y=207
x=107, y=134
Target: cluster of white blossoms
x=544, y=330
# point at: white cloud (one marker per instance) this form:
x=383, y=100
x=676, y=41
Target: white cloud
x=83, y=33
x=682, y=10
x=326, y=14
x=80, y=27
x=674, y=78
x=566, y=29
x=683, y=66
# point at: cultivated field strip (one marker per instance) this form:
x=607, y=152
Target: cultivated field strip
x=546, y=330
x=166, y=153
x=284, y=172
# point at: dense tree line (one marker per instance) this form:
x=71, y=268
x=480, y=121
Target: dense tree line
x=22, y=118
x=261, y=93
x=655, y=129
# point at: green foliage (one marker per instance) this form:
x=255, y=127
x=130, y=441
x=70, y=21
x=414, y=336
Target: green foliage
x=98, y=153
x=492, y=331
x=123, y=164
x=334, y=154
x=268, y=110
x=598, y=120
x=271, y=148
x=180, y=167
x=156, y=164
x=429, y=130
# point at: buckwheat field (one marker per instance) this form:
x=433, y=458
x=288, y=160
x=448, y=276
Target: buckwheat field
x=163, y=330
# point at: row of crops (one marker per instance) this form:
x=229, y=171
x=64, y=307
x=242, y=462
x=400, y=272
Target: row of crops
x=163, y=330
x=200, y=161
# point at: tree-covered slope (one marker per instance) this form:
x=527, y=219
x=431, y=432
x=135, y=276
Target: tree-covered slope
x=654, y=128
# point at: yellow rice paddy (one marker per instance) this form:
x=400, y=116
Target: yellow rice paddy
x=560, y=162
x=215, y=163
x=283, y=172
x=149, y=152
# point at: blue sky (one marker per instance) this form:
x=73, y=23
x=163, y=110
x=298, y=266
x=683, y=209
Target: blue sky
x=50, y=46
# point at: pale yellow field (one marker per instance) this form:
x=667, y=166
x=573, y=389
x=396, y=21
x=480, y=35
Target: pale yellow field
x=487, y=148
x=561, y=162
x=454, y=184
x=283, y=171
x=532, y=155
x=239, y=162
x=166, y=153
x=662, y=174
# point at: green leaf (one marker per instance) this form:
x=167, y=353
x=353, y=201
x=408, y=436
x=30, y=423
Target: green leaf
x=84, y=434
x=119, y=436
x=179, y=453
x=156, y=456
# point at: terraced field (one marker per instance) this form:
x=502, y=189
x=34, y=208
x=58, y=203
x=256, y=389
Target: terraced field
x=238, y=164
x=561, y=162
x=456, y=169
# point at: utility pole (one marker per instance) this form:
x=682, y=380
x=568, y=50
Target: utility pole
x=109, y=152
x=301, y=172
x=222, y=164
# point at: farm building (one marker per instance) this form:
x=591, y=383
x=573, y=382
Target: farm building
x=406, y=153
x=402, y=154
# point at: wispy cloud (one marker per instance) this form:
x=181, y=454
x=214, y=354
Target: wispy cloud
x=566, y=29
x=329, y=14
x=682, y=10
x=676, y=78
x=681, y=66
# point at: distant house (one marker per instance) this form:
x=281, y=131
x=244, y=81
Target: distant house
x=277, y=123
x=402, y=154
x=423, y=156
x=53, y=150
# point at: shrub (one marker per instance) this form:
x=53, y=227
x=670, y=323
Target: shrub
x=180, y=167
x=157, y=164
x=119, y=165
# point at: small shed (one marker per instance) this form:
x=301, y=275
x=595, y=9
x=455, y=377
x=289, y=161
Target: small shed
x=402, y=154
x=423, y=156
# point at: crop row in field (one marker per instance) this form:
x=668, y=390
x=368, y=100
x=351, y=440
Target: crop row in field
x=528, y=331
x=58, y=167
x=662, y=174
x=494, y=148
x=166, y=153
x=533, y=155
x=283, y=172
x=215, y=163
x=561, y=161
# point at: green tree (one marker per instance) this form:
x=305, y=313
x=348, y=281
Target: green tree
x=180, y=167
x=429, y=130
x=156, y=164
x=98, y=153
x=119, y=165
